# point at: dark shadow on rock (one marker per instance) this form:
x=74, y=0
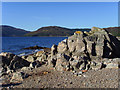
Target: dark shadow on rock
x=93, y=49
x=106, y=50
x=103, y=66
x=66, y=57
x=11, y=84
x=115, y=45
x=54, y=62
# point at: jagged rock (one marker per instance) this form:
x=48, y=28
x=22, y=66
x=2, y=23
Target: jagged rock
x=16, y=77
x=62, y=46
x=112, y=65
x=39, y=53
x=17, y=63
x=96, y=49
x=80, y=47
x=53, y=49
x=6, y=58
x=72, y=43
x=52, y=62
x=12, y=62
x=62, y=62
x=44, y=56
x=26, y=69
x=74, y=62
x=95, y=65
x=36, y=64
x=30, y=59
x=24, y=57
x=39, y=58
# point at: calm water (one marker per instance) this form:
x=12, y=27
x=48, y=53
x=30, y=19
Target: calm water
x=16, y=44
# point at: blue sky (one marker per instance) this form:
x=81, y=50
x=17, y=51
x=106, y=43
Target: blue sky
x=33, y=15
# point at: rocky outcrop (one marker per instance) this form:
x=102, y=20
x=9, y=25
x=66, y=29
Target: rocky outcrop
x=12, y=62
x=79, y=53
x=85, y=50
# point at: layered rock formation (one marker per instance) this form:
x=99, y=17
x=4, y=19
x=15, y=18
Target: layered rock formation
x=82, y=51
x=85, y=50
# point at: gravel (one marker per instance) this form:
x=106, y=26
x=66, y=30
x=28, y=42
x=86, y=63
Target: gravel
x=44, y=77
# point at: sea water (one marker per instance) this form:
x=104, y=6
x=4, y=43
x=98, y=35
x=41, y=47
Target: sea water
x=16, y=44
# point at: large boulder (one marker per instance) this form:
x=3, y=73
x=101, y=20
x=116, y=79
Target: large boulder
x=13, y=62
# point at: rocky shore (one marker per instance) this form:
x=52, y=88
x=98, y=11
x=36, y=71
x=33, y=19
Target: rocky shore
x=84, y=60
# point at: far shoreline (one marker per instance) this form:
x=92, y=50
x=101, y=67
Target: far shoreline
x=47, y=36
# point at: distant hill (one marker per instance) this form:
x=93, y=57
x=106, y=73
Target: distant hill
x=9, y=31
x=113, y=30
x=54, y=31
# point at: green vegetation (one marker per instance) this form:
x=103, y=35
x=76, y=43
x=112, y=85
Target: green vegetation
x=113, y=30
x=8, y=31
x=54, y=31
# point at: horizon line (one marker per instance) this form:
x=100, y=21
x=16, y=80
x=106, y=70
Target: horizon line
x=56, y=26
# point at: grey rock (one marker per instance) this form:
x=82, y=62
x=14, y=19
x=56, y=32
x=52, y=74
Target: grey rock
x=112, y=65
x=44, y=56
x=72, y=43
x=62, y=47
x=62, y=64
x=18, y=62
x=39, y=58
x=16, y=77
x=24, y=57
x=30, y=59
x=36, y=64
x=96, y=65
x=39, y=53
x=53, y=49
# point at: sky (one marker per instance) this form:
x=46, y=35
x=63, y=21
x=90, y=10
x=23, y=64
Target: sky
x=33, y=15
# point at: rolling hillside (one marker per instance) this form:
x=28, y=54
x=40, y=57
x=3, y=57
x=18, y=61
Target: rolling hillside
x=54, y=31
x=9, y=31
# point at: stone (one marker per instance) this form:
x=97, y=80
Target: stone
x=12, y=62
x=74, y=62
x=36, y=64
x=112, y=65
x=6, y=57
x=80, y=72
x=5, y=61
x=80, y=45
x=62, y=47
x=39, y=53
x=39, y=58
x=30, y=59
x=24, y=57
x=72, y=43
x=16, y=77
x=25, y=68
x=82, y=65
x=44, y=56
x=95, y=65
x=53, y=49
x=18, y=62
x=62, y=64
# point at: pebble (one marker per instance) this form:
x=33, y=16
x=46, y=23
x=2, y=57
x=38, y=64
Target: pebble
x=79, y=73
x=85, y=76
x=71, y=82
